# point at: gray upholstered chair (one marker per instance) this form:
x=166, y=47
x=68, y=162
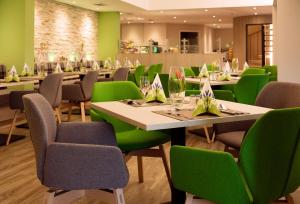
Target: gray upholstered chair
x=50, y=88
x=80, y=93
x=274, y=95
x=121, y=74
x=74, y=156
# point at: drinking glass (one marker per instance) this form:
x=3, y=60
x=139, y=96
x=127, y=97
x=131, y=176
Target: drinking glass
x=176, y=86
x=145, y=84
x=235, y=65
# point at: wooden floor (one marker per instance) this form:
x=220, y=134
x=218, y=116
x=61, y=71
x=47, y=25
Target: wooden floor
x=19, y=184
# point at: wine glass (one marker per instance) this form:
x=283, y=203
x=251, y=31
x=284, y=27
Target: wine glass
x=235, y=65
x=176, y=86
x=145, y=84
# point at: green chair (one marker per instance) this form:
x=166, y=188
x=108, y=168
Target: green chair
x=164, y=78
x=253, y=71
x=153, y=70
x=131, y=77
x=132, y=141
x=139, y=71
x=188, y=72
x=195, y=70
x=268, y=167
x=272, y=71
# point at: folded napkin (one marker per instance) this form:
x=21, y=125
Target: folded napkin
x=12, y=75
x=156, y=92
x=69, y=67
x=95, y=65
x=204, y=71
x=207, y=102
x=246, y=66
x=137, y=63
x=215, y=66
x=108, y=63
x=128, y=63
x=225, y=76
x=58, y=68
x=26, y=71
x=118, y=64
x=235, y=63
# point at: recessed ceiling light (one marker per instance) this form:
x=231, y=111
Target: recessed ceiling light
x=254, y=8
x=139, y=18
x=161, y=11
x=218, y=26
x=174, y=17
x=128, y=22
x=184, y=21
x=220, y=20
x=121, y=13
x=206, y=10
x=256, y=13
x=214, y=16
x=74, y=2
x=151, y=21
x=214, y=25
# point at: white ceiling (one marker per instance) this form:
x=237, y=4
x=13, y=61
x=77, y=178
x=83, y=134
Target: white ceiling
x=134, y=14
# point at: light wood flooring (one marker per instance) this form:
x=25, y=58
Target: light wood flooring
x=19, y=184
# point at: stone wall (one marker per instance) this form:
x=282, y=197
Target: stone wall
x=64, y=28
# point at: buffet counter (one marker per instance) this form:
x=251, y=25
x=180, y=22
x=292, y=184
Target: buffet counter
x=176, y=59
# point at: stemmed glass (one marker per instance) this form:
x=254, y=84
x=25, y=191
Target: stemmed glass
x=176, y=86
x=235, y=65
x=145, y=85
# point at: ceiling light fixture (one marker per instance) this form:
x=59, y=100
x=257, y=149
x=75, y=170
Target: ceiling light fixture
x=254, y=8
x=139, y=18
x=121, y=13
x=184, y=21
x=206, y=10
x=214, y=16
x=214, y=25
x=174, y=17
x=161, y=11
x=128, y=22
x=151, y=21
x=218, y=26
x=256, y=13
x=220, y=20
x=74, y=2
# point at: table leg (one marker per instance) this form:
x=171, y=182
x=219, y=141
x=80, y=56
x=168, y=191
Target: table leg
x=177, y=138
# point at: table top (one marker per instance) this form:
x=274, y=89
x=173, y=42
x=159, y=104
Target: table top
x=36, y=77
x=233, y=80
x=145, y=118
x=4, y=84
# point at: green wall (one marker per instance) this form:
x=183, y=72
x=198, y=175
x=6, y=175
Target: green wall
x=108, y=35
x=17, y=33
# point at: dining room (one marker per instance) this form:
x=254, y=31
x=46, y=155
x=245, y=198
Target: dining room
x=125, y=101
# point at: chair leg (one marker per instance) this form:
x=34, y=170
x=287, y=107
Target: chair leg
x=119, y=196
x=57, y=112
x=207, y=134
x=189, y=198
x=82, y=110
x=12, y=127
x=69, y=112
x=140, y=169
x=165, y=162
x=49, y=198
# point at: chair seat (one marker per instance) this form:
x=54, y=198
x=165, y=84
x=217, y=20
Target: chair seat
x=232, y=139
x=139, y=139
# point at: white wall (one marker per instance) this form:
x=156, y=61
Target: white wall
x=208, y=36
x=134, y=32
x=156, y=32
x=288, y=40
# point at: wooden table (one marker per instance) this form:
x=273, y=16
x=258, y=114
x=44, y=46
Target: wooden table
x=39, y=79
x=4, y=84
x=145, y=118
x=233, y=80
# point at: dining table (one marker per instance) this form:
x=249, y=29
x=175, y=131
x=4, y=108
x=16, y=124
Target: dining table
x=196, y=80
x=39, y=78
x=4, y=84
x=164, y=116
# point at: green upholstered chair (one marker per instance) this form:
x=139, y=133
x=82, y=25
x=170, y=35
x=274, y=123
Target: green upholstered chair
x=164, y=78
x=253, y=71
x=269, y=160
x=195, y=70
x=153, y=70
x=188, y=72
x=139, y=71
x=131, y=140
x=272, y=71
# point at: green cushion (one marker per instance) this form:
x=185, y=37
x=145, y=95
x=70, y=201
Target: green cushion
x=139, y=139
x=195, y=70
x=254, y=71
x=225, y=95
x=188, y=72
x=272, y=71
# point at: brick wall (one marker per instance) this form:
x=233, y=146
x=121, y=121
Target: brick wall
x=64, y=28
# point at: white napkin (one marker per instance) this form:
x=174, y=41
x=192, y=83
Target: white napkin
x=118, y=64
x=246, y=66
x=26, y=70
x=108, y=63
x=13, y=71
x=137, y=63
x=156, y=93
x=128, y=63
x=227, y=67
x=12, y=75
x=69, y=67
x=58, y=68
x=204, y=71
x=95, y=65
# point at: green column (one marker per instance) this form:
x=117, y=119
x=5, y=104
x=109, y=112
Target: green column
x=17, y=33
x=108, y=35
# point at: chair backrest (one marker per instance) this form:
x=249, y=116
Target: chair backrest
x=188, y=72
x=248, y=87
x=195, y=70
x=267, y=153
x=164, y=79
x=2, y=71
x=51, y=89
x=253, y=71
x=114, y=91
x=272, y=71
x=279, y=95
x=139, y=71
x=121, y=74
x=42, y=125
x=153, y=70
x=88, y=82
